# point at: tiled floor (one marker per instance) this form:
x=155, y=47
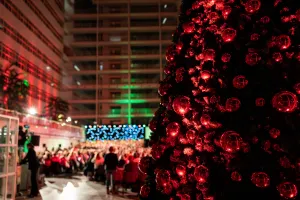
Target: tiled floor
x=77, y=188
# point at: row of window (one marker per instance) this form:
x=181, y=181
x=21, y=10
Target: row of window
x=52, y=11
x=12, y=56
x=12, y=8
x=84, y=7
x=44, y=19
x=60, y=4
x=39, y=94
x=27, y=45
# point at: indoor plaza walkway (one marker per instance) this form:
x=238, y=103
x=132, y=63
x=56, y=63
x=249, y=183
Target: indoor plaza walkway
x=77, y=188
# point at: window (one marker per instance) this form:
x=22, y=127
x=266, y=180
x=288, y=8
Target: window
x=115, y=122
x=115, y=66
x=52, y=11
x=115, y=109
x=115, y=51
x=17, y=13
x=44, y=19
x=27, y=45
x=115, y=95
x=115, y=80
x=12, y=56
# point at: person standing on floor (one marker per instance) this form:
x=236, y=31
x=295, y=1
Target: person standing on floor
x=110, y=163
x=33, y=166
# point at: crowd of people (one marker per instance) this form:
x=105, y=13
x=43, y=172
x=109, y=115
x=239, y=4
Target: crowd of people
x=112, y=162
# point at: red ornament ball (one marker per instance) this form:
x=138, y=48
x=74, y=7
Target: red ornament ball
x=252, y=59
x=298, y=15
x=209, y=55
x=180, y=170
x=205, y=119
x=145, y=191
x=254, y=37
x=191, y=135
x=153, y=125
x=205, y=75
x=228, y=34
x=167, y=189
x=265, y=19
x=231, y=141
x=170, y=54
x=235, y=176
x=201, y=173
x=163, y=178
x=260, y=102
x=188, y=27
x=179, y=46
x=144, y=164
x=285, y=101
x=181, y=105
x=157, y=150
x=274, y=133
x=287, y=190
x=283, y=42
x=232, y=104
x=163, y=89
x=226, y=11
x=297, y=88
x=277, y=57
x=260, y=179
x=252, y=6
x=226, y=57
x=173, y=129
x=240, y=82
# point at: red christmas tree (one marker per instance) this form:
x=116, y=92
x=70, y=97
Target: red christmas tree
x=228, y=126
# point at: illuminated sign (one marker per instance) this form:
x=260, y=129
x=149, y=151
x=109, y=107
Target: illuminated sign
x=120, y=132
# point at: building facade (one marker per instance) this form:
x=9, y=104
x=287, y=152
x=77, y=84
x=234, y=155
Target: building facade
x=31, y=35
x=116, y=58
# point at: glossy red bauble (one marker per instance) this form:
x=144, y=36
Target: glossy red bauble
x=297, y=88
x=180, y=170
x=287, y=190
x=254, y=37
x=209, y=55
x=240, y=82
x=163, y=88
x=252, y=59
x=205, y=119
x=277, y=57
x=173, y=129
x=260, y=102
x=188, y=27
x=191, y=135
x=201, y=173
x=226, y=57
x=163, y=178
x=283, y=42
x=181, y=105
x=252, y=6
x=232, y=104
x=260, y=179
x=144, y=164
x=153, y=125
x=285, y=101
x=274, y=133
x=235, y=176
x=205, y=75
x=228, y=34
x=226, y=11
x=145, y=191
x=231, y=141
x=157, y=150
